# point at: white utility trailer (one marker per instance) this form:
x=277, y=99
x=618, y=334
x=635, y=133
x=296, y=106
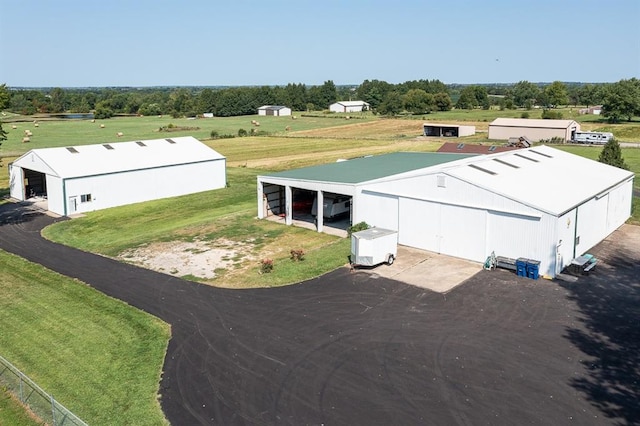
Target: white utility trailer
x=374, y=246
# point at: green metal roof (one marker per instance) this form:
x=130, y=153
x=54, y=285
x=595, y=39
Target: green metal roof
x=365, y=169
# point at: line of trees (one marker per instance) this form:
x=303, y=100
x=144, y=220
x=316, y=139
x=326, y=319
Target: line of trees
x=621, y=100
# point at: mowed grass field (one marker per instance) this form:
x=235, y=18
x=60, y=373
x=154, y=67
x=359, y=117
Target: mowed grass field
x=98, y=356
x=53, y=133
x=227, y=213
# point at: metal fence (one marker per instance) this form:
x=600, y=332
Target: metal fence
x=39, y=402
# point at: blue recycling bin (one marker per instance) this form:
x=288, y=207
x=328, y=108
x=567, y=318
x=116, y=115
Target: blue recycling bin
x=533, y=269
x=521, y=267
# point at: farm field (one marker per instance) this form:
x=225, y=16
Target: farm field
x=223, y=218
x=52, y=133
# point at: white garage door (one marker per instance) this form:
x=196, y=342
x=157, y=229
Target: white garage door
x=452, y=230
x=419, y=224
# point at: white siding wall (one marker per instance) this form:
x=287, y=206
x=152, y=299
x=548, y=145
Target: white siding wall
x=592, y=223
x=380, y=210
x=566, y=234
x=532, y=133
x=619, y=209
x=144, y=185
x=465, y=221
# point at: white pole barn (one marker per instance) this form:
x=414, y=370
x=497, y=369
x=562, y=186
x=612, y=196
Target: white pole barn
x=78, y=179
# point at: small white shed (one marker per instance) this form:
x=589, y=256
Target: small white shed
x=78, y=179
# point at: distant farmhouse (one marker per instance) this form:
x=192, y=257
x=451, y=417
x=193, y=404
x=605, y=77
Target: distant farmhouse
x=448, y=130
x=533, y=129
x=275, y=110
x=78, y=179
x=595, y=110
x=349, y=106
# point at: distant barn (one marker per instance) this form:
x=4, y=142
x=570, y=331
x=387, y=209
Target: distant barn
x=274, y=110
x=448, y=130
x=533, y=129
x=349, y=106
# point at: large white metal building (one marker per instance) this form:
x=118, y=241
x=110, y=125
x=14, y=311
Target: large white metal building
x=538, y=203
x=84, y=178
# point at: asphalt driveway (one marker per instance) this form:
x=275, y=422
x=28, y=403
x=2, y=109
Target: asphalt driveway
x=357, y=348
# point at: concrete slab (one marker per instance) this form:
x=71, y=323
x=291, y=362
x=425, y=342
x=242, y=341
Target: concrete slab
x=421, y=268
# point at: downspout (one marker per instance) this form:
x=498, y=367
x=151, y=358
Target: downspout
x=575, y=232
x=64, y=195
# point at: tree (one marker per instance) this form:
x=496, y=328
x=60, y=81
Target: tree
x=556, y=94
x=324, y=95
x=482, y=96
x=417, y=101
x=443, y=101
x=622, y=100
x=373, y=92
x=611, y=154
x=391, y=105
x=467, y=99
x=525, y=93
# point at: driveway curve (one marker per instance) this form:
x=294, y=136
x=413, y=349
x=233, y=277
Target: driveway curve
x=353, y=348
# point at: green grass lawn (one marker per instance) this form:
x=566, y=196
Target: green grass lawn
x=98, y=356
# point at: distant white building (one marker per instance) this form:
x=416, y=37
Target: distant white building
x=275, y=110
x=349, y=106
x=533, y=129
x=78, y=179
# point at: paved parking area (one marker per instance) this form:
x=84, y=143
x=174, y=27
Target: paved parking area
x=362, y=349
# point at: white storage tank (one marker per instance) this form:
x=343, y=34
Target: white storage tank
x=374, y=246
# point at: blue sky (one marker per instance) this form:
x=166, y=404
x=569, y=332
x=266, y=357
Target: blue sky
x=78, y=43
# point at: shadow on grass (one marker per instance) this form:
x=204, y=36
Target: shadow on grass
x=609, y=336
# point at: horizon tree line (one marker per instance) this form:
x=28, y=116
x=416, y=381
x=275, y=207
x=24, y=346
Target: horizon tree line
x=620, y=100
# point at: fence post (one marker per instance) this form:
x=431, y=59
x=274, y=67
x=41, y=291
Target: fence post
x=21, y=397
x=53, y=410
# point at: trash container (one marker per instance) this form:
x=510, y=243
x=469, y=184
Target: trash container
x=533, y=269
x=521, y=267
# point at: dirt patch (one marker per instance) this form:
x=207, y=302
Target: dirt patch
x=200, y=259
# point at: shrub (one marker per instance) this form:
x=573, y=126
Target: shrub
x=551, y=115
x=357, y=227
x=297, y=255
x=242, y=133
x=266, y=266
x=215, y=134
x=524, y=115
